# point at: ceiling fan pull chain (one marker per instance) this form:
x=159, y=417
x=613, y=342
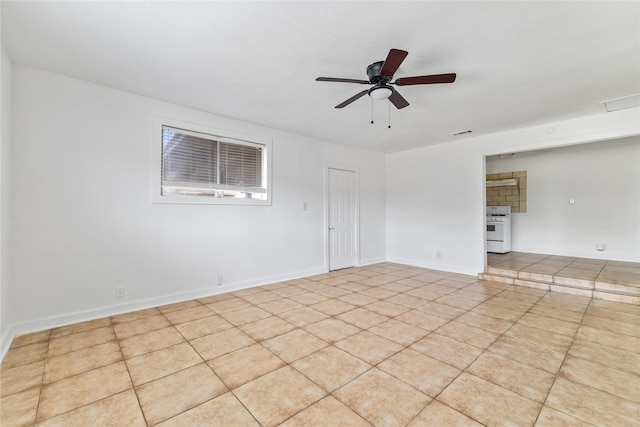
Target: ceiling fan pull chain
x=389, y=105
x=371, y=110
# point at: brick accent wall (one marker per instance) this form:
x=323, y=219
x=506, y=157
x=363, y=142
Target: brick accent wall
x=511, y=195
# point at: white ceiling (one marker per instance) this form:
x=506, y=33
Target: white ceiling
x=518, y=63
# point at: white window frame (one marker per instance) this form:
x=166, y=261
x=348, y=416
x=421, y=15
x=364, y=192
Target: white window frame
x=220, y=135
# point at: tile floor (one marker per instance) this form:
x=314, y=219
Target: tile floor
x=382, y=345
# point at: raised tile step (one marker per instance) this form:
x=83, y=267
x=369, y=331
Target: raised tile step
x=582, y=287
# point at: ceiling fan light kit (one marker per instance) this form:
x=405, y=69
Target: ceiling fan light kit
x=380, y=75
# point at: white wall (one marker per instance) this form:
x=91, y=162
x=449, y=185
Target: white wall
x=84, y=221
x=435, y=195
x=604, y=182
x=5, y=135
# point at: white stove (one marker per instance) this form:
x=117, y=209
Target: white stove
x=498, y=229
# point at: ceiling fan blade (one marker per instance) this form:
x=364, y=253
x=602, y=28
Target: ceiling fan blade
x=353, y=98
x=426, y=80
x=398, y=100
x=339, y=80
x=393, y=61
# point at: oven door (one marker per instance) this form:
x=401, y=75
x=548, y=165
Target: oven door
x=495, y=231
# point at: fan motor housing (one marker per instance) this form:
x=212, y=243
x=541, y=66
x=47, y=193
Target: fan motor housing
x=373, y=72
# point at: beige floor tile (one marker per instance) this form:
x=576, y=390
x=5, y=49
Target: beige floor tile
x=369, y=347
x=140, y=326
x=386, y=308
x=441, y=310
x=377, y=293
x=330, y=368
x=80, y=327
x=19, y=409
x=179, y=306
x=407, y=300
x=488, y=323
x=528, y=352
x=245, y=315
x=25, y=355
x=549, y=324
x=176, y=393
x=523, y=379
x=36, y=337
x=280, y=306
x=439, y=415
x=332, y=330
x=294, y=345
x=612, y=357
x=332, y=292
x=308, y=298
x=596, y=375
x=549, y=417
x=357, y=299
x=121, y=409
x=447, y=350
x=593, y=406
x=467, y=334
x=224, y=410
x=189, y=314
x=617, y=313
x=609, y=339
x=73, y=392
x=274, y=397
x=328, y=412
x=201, y=327
x=160, y=363
x=422, y=320
x=215, y=298
x=623, y=328
x=556, y=313
x=227, y=305
x=261, y=297
x=462, y=303
x=80, y=340
x=223, y=342
x=425, y=373
x=267, y=328
x=80, y=361
x=488, y=403
x=498, y=312
x=362, y=318
x=288, y=291
x=151, y=341
x=303, y=316
x=399, y=332
x=21, y=378
x=128, y=317
x=541, y=337
x=381, y=399
x=333, y=307
x=244, y=365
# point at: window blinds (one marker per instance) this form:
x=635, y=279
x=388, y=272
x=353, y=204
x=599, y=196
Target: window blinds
x=198, y=163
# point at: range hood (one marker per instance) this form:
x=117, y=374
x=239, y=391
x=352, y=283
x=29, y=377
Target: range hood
x=502, y=182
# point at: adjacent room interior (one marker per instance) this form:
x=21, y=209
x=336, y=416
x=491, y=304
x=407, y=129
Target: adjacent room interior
x=276, y=213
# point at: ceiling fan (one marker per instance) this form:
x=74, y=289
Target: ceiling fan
x=380, y=75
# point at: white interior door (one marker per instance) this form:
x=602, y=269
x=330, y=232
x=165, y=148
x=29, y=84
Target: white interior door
x=342, y=219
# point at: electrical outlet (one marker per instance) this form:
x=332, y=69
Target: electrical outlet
x=120, y=292
x=220, y=280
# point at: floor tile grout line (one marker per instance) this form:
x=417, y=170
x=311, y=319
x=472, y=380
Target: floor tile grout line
x=557, y=375
x=133, y=386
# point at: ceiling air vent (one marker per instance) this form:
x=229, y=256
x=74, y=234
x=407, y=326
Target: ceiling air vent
x=621, y=103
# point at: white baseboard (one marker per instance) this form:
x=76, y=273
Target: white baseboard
x=45, y=323
x=470, y=271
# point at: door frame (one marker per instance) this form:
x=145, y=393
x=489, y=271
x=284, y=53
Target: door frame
x=327, y=195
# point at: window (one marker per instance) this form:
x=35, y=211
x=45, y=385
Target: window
x=203, y=167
